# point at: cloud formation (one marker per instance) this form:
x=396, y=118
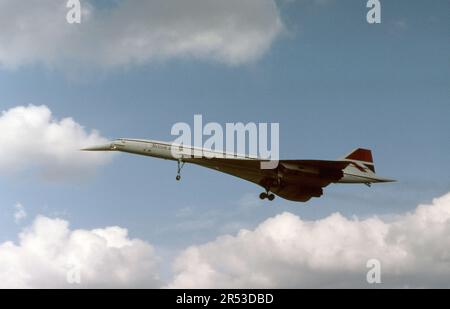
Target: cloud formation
x=283, y=251
x=50, y=255
x=33, y=138
x=286, y=251
x=136, y=32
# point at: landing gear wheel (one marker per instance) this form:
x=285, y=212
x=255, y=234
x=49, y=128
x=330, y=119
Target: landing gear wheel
x=263, y=196
x=178, y=178
x=271, y=197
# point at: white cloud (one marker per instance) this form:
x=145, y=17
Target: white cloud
x=136, y=32
x=33, y=138
x=19, y=213
x=50, y=255
x=285, y=251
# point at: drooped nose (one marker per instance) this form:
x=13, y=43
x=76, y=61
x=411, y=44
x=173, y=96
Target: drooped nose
x=105, y=147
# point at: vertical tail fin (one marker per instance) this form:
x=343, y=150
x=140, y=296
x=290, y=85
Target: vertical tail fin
x=362, y=156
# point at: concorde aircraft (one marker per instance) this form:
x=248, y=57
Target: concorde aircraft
x=295, y=180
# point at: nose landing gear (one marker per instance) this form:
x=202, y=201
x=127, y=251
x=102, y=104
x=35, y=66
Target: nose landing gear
x=180, y=167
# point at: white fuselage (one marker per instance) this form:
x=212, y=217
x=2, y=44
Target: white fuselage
x=294, y=180
x=170, y=151
x=354, y=173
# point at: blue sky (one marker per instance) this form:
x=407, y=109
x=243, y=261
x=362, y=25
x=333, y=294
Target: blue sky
x=330, y=79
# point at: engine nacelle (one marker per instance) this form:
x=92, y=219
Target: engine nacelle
x=331, y=174
x=314, y=192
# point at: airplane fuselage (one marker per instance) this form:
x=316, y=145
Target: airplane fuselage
x=354, y=173
x=295, y=180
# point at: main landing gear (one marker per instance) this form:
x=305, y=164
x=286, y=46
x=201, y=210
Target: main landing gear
x=267, y=195
x=180, y=167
